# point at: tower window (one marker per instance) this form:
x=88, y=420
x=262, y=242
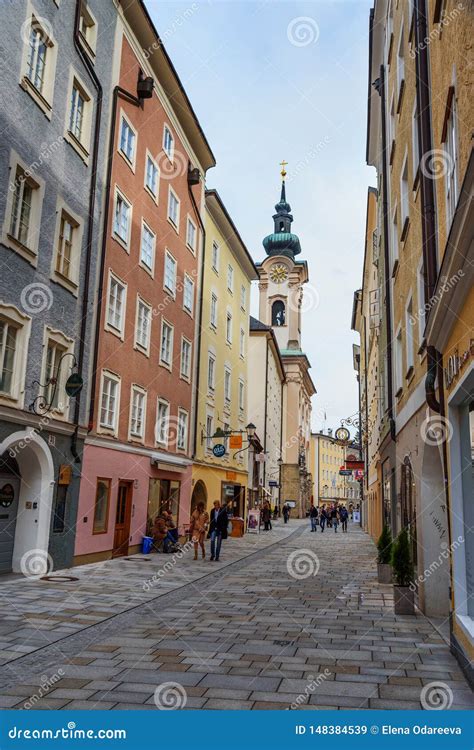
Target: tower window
x=278, y=313
x=282, y=226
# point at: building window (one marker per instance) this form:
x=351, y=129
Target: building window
x=38, y=49
x=209, y=431
x=25, y=209
x=191, y=235
x=162, y=422
x=243, y=297
x=227, y=385
x=400, y=67
x=109, y=402
x=398, y=363
x=211, y=373
x=170, y=273
x=392, y=120
x=166, y=349
x=88, y=30
x=14, y=332
x=173, y=208
x=242, y=342
x=8, y=347
x=168, y=143
x=241, y=396
x=421, y=303
x=122, y=219
x=151, y=177
x=451, y=148
x=409, y=322
x=54, y=377
x=188, y=294
x=127, y=141
x=215, y=257
x=147, y=248
x=228, y=328
x=404, y=199
x=185, y=368
x=394, y=242
x=182, y=438
x=68, y=248
x=230, y=278
x=101, y=506
x=116, y=305
x=414, y=140
x=137, y=412
x=213, y=317
x=143, y=326
x=278, y=313
x=76, y=116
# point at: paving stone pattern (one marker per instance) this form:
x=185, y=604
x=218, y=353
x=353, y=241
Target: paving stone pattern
x=244, y=633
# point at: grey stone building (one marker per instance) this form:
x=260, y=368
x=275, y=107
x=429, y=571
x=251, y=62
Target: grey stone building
x=56, y=78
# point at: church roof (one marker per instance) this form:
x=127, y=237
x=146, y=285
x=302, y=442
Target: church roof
x=282, y=241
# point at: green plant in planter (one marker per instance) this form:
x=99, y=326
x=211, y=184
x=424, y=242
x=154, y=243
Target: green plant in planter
x=402, y=563
x=384, y=546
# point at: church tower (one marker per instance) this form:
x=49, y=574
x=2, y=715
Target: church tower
x=281, y=281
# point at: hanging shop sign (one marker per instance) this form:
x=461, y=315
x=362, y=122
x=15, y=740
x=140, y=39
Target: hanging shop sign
x=65, y=474
x=342, y=434
x=74, y=384
x=456, y=362
x=235, y=442
x=231, y=476
x=345, y=472
x=218, y=450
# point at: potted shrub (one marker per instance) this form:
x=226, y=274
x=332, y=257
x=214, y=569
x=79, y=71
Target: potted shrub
x=403, y=592
x=384, y=557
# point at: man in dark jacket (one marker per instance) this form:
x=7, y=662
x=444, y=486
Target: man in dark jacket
x=313, y=514
x=323, y=518
x=217, y=529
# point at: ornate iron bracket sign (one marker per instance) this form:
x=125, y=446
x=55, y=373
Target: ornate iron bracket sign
x=41, y=405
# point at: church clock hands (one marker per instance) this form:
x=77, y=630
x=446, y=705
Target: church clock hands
x=278, y=273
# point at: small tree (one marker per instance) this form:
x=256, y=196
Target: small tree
x=401, y=560
x=384, y=546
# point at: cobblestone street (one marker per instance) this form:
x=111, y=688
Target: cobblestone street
x=288, y=619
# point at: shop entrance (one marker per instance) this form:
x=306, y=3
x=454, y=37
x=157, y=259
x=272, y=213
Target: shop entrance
x=122, y=519
x=233, y=495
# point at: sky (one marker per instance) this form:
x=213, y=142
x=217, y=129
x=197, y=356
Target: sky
x=286, y=80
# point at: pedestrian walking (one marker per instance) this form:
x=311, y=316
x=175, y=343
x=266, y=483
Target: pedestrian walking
x=323, y=518
x=343, y=515
x=198, y=529
x=286, y=512
x=267, y=516
x=313, y=515
x=217, y=529
x=334, y=518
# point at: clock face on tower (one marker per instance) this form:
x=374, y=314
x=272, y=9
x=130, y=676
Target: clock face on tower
x=278, y=273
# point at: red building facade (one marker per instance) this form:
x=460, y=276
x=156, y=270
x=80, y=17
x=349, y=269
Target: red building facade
x=137, y=458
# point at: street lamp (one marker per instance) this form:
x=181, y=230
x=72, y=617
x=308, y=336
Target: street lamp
x=251, y=429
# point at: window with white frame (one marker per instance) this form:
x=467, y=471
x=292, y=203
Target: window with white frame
x=127, y=140
x=213, y=310
x=116, y=305
x=14, y=333
x=38, y=49
x=211, y=372
x=168, y=142
x=191, y=234
x=137, y=412
x=227, y=384
x=76, y=114
x=215, y=257
x=109, y=401
x=451, y=150
x=25, y=209
x=182, y=436
x=173, y=207
x=162, y=422
x=398, y=361
x=394, y=241
x=392, y=124
x=243, y=297
x=209, y=431
x=228, y=327
x=122, y=218
x=39, y=61
x=68, y=247
x=147, y=247
x=170, y=273
x=88, y=29
x=8, y=353
x=421, y=302
x=409, y=323
x=404, y=197
x=242, y=342
x=143, y=325
x=241, y=395
x=400, y=66
x=166, y=348
x=188, y=294
x=185, y=367
x=230, y=278
x=151, y=176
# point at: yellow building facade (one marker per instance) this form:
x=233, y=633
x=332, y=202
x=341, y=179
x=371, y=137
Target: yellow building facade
x=327, y=457
x=222, y=363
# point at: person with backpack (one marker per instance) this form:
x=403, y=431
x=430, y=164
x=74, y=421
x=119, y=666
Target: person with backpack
x=313, y=515
x=323, y=518
x=343, y=515
x=334, y=517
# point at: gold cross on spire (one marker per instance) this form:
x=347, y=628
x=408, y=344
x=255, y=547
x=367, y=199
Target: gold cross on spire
x=283, y=170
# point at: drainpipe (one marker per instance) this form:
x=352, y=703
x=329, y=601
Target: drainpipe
x=380, y=88
x=137, y=101
x=193, y=179
x=90, y=221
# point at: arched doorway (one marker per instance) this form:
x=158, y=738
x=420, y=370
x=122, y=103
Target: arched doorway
x=199, y=495
x=29, y=469
x=433, y=538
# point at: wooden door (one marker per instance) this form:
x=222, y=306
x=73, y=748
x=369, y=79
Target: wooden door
x=122, y=519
